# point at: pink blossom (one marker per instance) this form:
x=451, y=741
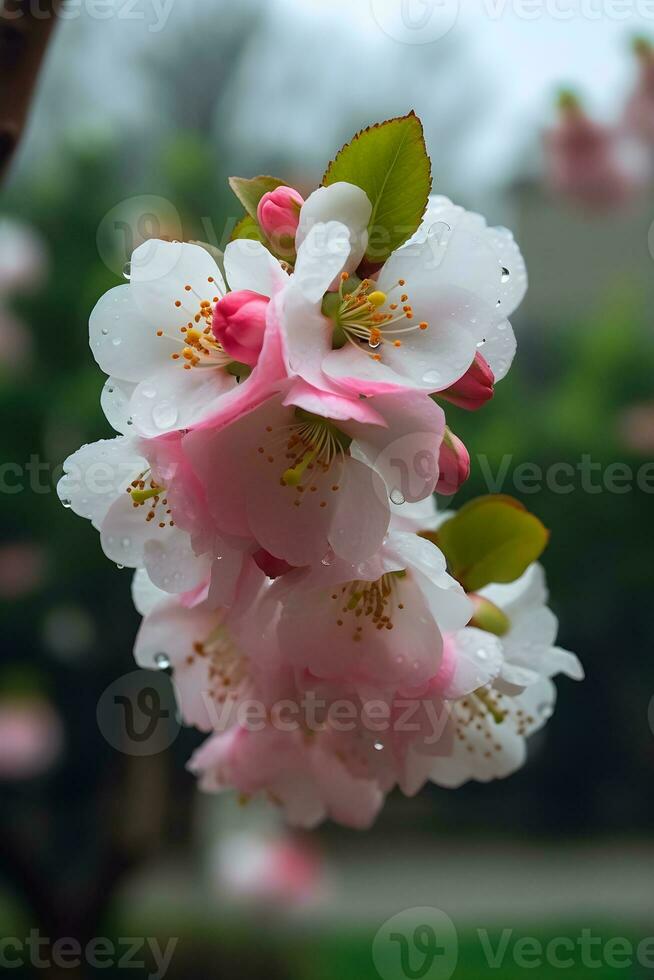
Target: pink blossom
x=278, y=214
x=589, y=162
x=453, y=464
x=239, y=322
x=474, y=389
x=31, y=738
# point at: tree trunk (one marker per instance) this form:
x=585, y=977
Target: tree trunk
x=25, y=29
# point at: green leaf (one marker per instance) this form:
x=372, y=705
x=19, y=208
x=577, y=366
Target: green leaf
x=249, y=191
x=389, y=162
x=247, y=227
x=491, y=539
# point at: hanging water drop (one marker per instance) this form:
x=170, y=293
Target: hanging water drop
x=162, y=661
x=397, y=497
x=506, y=275
x=127, y=270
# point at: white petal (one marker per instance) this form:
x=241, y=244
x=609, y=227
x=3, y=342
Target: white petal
x=145, y=595
x=498, y=347
x=321, y=258
x=479, y=660
x=123, y=341
x=115, y=404
x=249, y=265
x=174, y=398
x=340, y=202
x=172, y=564
x=98, y=474
x=160, y=273
x=446, y=599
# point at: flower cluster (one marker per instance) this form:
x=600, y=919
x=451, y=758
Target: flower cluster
x=281, y=423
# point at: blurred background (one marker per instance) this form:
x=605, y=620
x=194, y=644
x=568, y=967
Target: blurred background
x=142, y=112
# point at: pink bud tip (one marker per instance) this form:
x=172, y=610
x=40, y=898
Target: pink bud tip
x=239, y=323
x=453, y=465
x=278, y=213
x=269, y=565
x=474, y=389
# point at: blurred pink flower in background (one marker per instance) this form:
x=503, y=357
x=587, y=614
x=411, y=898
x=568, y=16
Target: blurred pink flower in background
x=638, y=116
x=272, y=869
x=31, y=737
x=22, y=267
x=636, y=428
x=598, y=166
x=22, y=569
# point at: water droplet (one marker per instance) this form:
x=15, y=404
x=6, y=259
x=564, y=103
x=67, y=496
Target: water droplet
x=374, y=344
x=110, y=391
x=162, y=661
x=117, y=341
x=120, y=567
x=104, y=331
x=130, y=421
x=148, y=391
x=127, y=270
x=164, y=415
x=328, y=558
x=126, y=542
x=482, y=654
x=379, y=746
x=66, y=503
x=397, y=497
x=506, y=275
x=431, y=377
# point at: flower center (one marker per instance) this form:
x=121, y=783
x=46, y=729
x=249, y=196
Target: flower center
x=310, y=450
x=142, y=492
x=478, y=715
x=227, y=668
x=376, y=602
x=369, y=318
x=200, y=347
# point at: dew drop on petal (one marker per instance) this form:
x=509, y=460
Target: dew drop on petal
x=431, y=377
x=379, y=746
x=164, y=415
x=127, y=270
x=506, y=275
x=374, y=344
x=397, y=497
x=104, y=331
x=66, y=503
x=162, y=661
x=148, y=391
x=328, y=558
x=117, y=341
x=126, y=542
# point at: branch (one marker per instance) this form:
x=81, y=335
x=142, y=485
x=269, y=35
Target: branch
x=24, y=35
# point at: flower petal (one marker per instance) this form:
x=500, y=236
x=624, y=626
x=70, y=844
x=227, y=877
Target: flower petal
x=124, y=342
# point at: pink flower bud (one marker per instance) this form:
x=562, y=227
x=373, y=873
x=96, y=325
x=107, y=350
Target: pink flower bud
x=474, y=389
x=453, y=464
x=278, y=214
x=239, y=323
x=269, y=565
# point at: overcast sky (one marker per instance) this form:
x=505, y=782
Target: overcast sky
x=316, y=61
